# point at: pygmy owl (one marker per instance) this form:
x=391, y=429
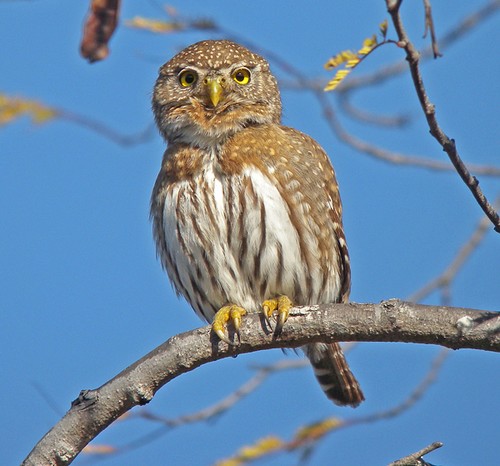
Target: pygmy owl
x=246, y=212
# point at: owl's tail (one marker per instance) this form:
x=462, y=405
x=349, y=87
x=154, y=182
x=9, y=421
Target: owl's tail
x=333, y=374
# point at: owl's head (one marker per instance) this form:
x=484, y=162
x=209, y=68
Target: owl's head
x=211, y=90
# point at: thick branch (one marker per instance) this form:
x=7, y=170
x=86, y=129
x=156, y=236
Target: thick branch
x=391, y=320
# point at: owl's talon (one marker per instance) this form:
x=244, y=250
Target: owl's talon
x=222, y=337
x=268, y=308
x=268, y=322
x=282, y=304
x=225, y=314
x=235, y=316
x=282, y=318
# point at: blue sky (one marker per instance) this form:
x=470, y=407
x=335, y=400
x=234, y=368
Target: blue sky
x=83, y=296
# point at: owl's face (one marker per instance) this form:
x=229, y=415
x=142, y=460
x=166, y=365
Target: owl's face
x=213, y=89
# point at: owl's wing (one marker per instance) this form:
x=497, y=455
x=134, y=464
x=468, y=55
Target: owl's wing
x=303, y=173
x=304, y=177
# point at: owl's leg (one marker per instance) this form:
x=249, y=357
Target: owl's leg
x=282, y=305
x=232, y=313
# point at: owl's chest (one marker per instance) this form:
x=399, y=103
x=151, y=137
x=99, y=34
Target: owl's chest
x=229, y=238
x=227, y=217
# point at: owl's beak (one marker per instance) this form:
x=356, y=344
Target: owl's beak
x=214, y=88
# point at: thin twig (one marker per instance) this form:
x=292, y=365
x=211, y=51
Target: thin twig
x=308, y=437
x=428, y=107
x=205, y=414
x=366, y=117
x=413, y=398
x=429, y=26
x=302, y=82
x=416, y=394
x=228, y=402
x=125, y=140
x=336, y=127
x=458, y=31
x=444, y=280
x=396, y=158
x=209, y=412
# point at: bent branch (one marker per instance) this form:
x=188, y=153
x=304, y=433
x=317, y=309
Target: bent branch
x=392, y=320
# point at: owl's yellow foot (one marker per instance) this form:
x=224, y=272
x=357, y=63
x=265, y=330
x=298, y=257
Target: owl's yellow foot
x=282, y=305
x=225, y=314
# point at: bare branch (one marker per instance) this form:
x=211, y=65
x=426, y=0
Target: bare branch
x=428, y=107
x=302, y=82
x=364, y=116
x=204, y=414
x=308, y=436
x=396, y=158
x=108, y=132
x=429, y=26
x=463, y=27
x=392, y=157
x=412, y=399
x=391, y=320
x=444, y=280
x=229, y=401
x=415, y=459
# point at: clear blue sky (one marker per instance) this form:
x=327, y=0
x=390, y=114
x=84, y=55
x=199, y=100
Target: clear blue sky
x=81, y=292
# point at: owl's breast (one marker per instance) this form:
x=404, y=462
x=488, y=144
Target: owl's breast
x=231, y=238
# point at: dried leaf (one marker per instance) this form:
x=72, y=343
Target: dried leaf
x=99, y=27
x=383, y=28
x=41, y=114
x=368, y=45
x=337, y=79
x=353, y=62
x=317, y=430
x=154, y=25
x=350, y=59
x=14, y=107
x=340, y=58
x=249, y=453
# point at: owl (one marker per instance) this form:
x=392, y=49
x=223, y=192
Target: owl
x=246, y=212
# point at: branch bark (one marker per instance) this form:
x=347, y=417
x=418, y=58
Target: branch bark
x=391, y=320
x=415, y=459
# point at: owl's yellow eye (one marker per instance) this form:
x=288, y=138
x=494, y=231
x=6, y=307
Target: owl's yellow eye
x=187, y=78
x=241, y=76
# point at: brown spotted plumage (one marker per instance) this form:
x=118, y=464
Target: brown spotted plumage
x=246, y=212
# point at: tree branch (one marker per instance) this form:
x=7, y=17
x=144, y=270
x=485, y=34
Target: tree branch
x=458, y=31
x=415, y=459
x=444, y=280
x=429, y=26
x=448, y=145
x=391, y=320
